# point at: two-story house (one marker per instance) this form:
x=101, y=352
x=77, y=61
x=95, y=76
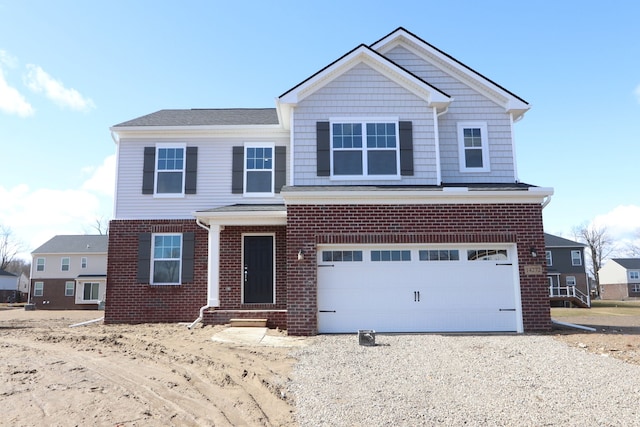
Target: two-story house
x=381, y=193
x=566, y=272
x=69, y=272
x=620, y=279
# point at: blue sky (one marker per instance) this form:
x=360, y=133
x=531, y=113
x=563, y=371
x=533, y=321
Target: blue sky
x=69, y=70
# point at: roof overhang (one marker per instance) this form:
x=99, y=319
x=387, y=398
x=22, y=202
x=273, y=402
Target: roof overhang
x=509, y=101
x=243, y=215
x=430, y=196
x=171, y=132
x=365, y=55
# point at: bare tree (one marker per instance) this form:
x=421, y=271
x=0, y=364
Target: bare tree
x=101, y=225
x=599, y=244
x=9, y=247
x=632, y=249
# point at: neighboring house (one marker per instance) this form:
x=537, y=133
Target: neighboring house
x=566, y=272
x=381, y=193
x=69, y=272
x=620, y=279
x=12, y=286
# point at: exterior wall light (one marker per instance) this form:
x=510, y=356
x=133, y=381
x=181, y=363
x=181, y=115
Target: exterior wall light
x=300, y=255
x=534, y=252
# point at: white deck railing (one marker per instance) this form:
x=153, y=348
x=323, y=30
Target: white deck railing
x=569, y=291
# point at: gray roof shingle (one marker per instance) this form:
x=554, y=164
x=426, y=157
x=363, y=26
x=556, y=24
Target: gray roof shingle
x=551, y=241
x=628, y=263
x=73, y=244
x=206, y=117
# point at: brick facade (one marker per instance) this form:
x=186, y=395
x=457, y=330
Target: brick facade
x=308, y=225
x=131, y=302
x=54, y=298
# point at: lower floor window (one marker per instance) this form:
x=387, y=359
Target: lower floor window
x=69, y=289
x=571, y=280
x=91, y=291
x=167, y=254
x=635, y=287
x=38, y=289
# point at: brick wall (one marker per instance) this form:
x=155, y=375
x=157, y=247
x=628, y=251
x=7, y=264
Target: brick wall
x=54, y=298
x=308, y=225
x=127, y=300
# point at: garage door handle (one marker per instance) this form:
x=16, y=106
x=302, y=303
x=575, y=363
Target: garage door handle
x=503, y=264
x=327, y=311
x=326, y=265
x=416, y=296
x=507, y=309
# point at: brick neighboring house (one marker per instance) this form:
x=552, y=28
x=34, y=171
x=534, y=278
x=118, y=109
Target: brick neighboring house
x=566, y=272
x=620, y=279
x=69, y=272
x=381, y=193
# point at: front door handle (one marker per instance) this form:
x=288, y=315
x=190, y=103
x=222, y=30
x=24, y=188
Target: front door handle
x=246, y=273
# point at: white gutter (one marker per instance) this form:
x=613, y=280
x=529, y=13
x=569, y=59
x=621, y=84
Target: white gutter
x=204, y=307
x=546, y=201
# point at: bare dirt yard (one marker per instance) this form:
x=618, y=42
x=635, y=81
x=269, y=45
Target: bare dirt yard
x=165, y=374
x=136, y=375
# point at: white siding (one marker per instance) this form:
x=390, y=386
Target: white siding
x=468, y=106
x=363, y=92
x=213, y=182
x=96, y=265
x=613, y=273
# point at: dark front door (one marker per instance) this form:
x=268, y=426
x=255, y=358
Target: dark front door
x=258, y=269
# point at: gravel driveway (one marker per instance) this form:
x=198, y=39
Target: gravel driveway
x=487, y=380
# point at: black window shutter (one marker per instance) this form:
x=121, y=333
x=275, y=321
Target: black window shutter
x=406, y=148
x=148, y=170
x=237, y=171
x=188, y=256
x=281, y=168
x=144, y=258
x=191, y=178
x=323, y=151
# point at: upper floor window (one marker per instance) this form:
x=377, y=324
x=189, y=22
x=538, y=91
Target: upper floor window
x=83, y=262
x=65, y=263
x=473, y=147
x=170, y=170
x=634, y=275
x=166, y=258
x=365, y=149
x=40, y=264
x=549, y=258
x=259, y=170
x=576, y=258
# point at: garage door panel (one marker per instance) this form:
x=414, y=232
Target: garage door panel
x=417, y=296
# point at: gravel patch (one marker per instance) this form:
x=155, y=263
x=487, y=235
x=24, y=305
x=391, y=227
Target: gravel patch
x=488, y=380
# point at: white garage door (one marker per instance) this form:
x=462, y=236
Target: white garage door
x=418, y=289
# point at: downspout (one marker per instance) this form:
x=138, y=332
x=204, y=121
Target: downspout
x=204, y=307
x=436, y=131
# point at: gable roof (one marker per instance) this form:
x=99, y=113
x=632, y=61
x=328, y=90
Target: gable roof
x=206, y=117
x=6, y=273
x=400, y=36
x=551, y=241
x=364, y=54
x=74, y=244
x=628, y=263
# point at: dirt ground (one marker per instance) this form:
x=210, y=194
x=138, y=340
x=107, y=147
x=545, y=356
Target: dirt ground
x=135, y=375
x=150, y=374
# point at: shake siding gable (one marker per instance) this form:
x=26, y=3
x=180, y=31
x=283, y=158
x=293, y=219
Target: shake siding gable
x=468, y=106
x=363, y=92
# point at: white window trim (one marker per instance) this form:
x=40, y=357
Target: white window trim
x=245, y=170
x=634, y=272
x=66, y=289
x=183, y=146
x=35, y=289
x=43, y=263
x=93, y=300
x=84, y=262
x=635, y=287
x=153, y=259
x=364, y=121
x=68, y=264
x=486, y=166
x=570, y=280
x=579, y=257
x=549, y=257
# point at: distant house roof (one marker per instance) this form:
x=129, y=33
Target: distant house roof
x=206, y=117
x=73, y=244
x=628, y=263
x=6, y=273
x=551, y=241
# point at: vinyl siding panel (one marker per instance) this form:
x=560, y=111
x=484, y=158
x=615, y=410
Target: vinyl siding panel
x=468, y=106
x=362, y=92
x=214, y=179
x=96, y=264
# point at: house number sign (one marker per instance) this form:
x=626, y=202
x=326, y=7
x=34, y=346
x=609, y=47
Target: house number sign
x=532, y=270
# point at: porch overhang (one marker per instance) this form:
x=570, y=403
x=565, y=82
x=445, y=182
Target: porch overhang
x=243, y=215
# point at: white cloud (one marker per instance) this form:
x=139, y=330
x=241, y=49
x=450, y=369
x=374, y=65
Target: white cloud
x=622, y=224
x=7, y=59
x=12, y=101
x=40, y=81
x=36, y=215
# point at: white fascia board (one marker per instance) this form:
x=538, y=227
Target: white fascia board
x=242, y=218
x=497, y=94
x=447, y=195
x=364, y=55
x=205, y=131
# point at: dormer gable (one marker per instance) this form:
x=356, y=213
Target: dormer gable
x=512, y=103
x=365, y=55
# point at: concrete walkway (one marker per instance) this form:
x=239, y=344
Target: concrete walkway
x=257, y=336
